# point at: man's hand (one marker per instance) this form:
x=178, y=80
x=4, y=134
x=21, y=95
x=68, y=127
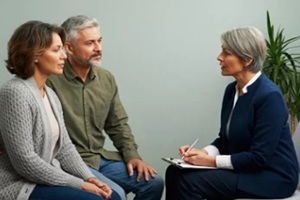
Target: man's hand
x=143, y=169
x=97, y=187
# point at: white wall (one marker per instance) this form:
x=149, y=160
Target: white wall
x=163, y=55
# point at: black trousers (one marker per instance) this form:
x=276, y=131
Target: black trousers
x=195, y=184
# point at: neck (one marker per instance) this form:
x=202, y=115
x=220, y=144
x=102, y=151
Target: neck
x=244, y=78
x=79, y=70
x=40, y=82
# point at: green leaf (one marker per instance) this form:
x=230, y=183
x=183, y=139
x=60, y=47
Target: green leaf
x=283, y=66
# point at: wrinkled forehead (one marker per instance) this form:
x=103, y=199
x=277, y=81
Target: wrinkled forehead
x=89, y=33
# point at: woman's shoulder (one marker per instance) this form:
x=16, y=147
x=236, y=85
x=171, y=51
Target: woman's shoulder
x=15, y=86
x=267, y=86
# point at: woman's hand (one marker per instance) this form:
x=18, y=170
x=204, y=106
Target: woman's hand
x=101, y=185
x=199, y=157
x=183, y=150
x=95, y=186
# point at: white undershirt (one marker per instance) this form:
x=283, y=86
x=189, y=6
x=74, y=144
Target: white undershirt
x=224, y=161
x=53, y=123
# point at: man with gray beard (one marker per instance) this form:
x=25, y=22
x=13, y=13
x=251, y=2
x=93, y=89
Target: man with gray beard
x=91, y=105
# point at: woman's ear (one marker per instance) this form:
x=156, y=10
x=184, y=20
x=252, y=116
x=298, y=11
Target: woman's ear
x=248, y=62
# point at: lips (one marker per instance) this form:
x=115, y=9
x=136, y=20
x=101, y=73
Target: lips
x=96, y=57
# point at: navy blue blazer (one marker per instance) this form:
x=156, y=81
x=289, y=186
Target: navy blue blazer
x=259, y=140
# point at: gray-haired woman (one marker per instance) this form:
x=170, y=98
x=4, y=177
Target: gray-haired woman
x=254, y=154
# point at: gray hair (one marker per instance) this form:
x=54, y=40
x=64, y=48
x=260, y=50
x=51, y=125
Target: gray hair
x=77, y=23
x=247, y=43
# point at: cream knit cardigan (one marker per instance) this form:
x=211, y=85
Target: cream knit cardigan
x=25, y=136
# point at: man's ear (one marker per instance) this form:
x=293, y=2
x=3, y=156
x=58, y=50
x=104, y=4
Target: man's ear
x=69, y=48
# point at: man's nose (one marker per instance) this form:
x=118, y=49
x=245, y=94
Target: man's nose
x=98, y=46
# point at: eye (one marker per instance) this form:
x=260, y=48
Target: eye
x=89, y=43
x=226, y=52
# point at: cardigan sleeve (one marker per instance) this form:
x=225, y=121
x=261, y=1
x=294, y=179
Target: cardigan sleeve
x=23, y=138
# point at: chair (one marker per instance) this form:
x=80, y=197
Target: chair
x=296, y=140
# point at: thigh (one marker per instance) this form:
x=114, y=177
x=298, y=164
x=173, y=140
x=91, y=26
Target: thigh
x=117, y=171
x=114, y=186
x=45, y=192
x=208, y=184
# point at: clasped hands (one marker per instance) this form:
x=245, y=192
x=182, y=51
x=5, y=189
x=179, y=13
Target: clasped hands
x=143, y=169
x=92, y=185
x=95, y=186
x=197, y=156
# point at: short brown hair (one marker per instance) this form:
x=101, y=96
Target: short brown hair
x=28, y=41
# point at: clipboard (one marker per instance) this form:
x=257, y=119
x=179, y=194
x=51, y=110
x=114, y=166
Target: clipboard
x=183, y=165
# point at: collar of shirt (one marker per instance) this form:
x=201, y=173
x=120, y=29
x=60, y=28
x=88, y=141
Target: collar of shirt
x=252, y=80
x=244, y=89
x=70, y=74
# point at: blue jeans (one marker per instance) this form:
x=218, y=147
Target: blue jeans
x=110, y=183
x=116, y=171
x=45, y=192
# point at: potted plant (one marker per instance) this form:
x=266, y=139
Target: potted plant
x=282, y=67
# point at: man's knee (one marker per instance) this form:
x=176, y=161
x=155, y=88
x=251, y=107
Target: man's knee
x=156, y=183
x=120, y=192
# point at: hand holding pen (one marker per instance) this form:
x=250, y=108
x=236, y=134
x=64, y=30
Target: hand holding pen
x=184, y=150
x=196, y=156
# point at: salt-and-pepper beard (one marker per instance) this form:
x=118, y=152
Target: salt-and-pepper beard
x=87, y=63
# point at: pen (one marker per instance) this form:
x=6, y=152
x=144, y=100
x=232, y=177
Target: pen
x=192, y=145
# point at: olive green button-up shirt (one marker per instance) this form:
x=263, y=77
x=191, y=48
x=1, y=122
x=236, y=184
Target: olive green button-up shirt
x=90, y=108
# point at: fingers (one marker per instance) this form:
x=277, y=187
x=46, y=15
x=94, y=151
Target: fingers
x=142, y=169
x=108, y=190
x=129, y=169
x=96, y=182
x=145, y=171
x=149, y=172
x=183, y=149
x=153, y=172
x=140, y=175
x=104, y=194
x=192, y=152
x=103, y=189
x=199, y=157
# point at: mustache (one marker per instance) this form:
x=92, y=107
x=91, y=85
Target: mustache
x=97, y=54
